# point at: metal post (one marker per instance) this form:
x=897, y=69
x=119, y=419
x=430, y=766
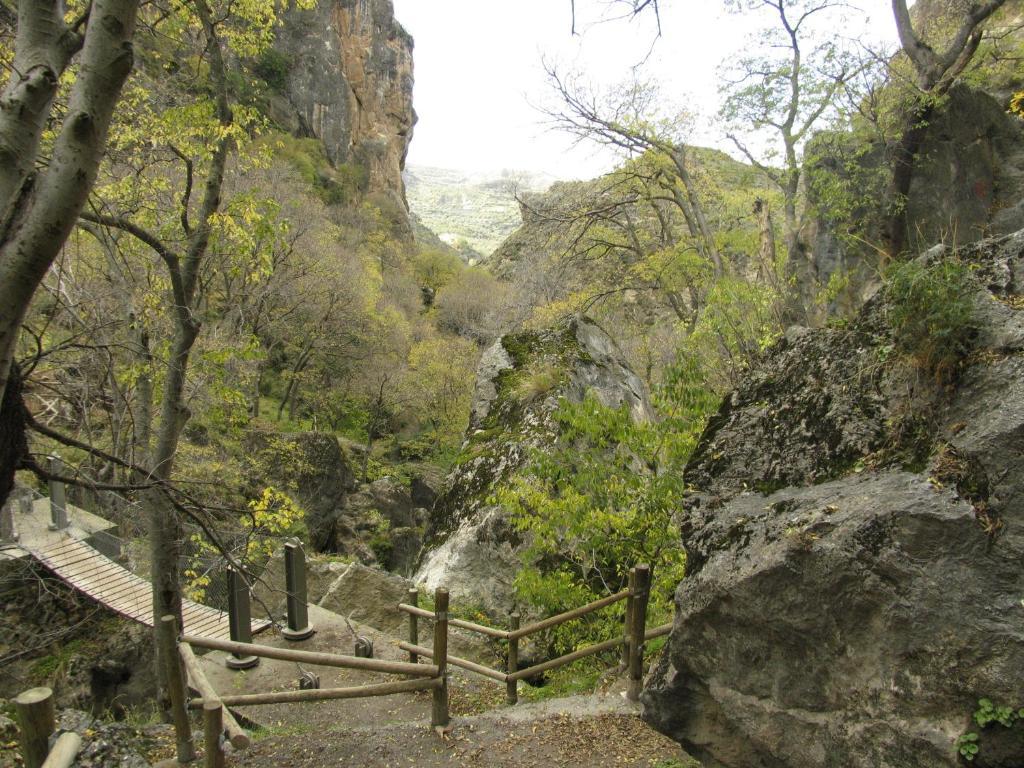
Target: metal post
x=298, y=627
x=239, y=619
x=638, y=628
x=512, y=686
x=414, y=599
x=439, y=710
x=58, y=498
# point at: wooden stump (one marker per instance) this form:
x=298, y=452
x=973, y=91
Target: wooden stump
x=37, y=721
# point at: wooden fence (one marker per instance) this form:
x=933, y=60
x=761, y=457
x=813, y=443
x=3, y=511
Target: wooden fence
x=218, y=723
x=634, y=636
x=182, y=670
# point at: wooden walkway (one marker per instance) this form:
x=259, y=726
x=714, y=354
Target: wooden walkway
x=106, y=582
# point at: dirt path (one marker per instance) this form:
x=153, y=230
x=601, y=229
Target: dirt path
x=581, y=732
x=393, y=731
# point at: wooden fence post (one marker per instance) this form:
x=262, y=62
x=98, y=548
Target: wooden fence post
x=58, y=497
x=439, y=711
x=512, y=686
x=7, y=522
x=213, y=730
x=239, y=619
x=167, y=637
x=414, y=600
x=638, y=628
x=627, y=620
x=299, y=627
x=36, y=720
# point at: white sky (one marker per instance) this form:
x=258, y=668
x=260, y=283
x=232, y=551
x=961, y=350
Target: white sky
x=478, y=70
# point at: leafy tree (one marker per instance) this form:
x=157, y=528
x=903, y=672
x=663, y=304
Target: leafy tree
x=441, y=378
x=471, y=305
x=203, y=231
x=783, y=92
x=604, y=499
x=633, y=120
x=40, y=203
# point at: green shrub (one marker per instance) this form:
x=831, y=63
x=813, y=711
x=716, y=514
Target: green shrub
x=272, y=67
x=931, y=311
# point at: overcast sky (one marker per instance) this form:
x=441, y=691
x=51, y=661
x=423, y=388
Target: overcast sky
x=478, y=71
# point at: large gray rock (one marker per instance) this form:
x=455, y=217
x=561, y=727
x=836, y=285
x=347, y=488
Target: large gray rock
x=474, y=549
x=856, y=622
x=968, y=184
x=369, y=596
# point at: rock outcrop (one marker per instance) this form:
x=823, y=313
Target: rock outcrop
x=855, y=540
x=349, y=83
x=521, y=378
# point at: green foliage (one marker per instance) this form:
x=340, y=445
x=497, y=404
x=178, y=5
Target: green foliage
x=987, y=714
x=435, y=268
x=931, y=311
x=380, y=539
x=1017, y=104
x=967, y=746
x=537, y=381
x=601, y=501
x=272, y=67
x=268, y=519
x=343, y=184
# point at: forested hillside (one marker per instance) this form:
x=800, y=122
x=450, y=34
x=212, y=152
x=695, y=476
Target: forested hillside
x=782, y=372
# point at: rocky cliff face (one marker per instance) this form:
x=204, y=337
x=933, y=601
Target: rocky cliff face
x=855, y=540
x=519, y=383
x=349, y=83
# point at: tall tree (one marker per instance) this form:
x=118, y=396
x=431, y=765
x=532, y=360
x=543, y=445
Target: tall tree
x=936, y=65
x=782, y=93
x=40, y=201
x=181, y=217
x=632, y=120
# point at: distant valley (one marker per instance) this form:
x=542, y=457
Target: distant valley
x=471, y=211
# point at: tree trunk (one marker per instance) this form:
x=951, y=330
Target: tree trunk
x=912, y=138
x=13, y=446
x=39, y=209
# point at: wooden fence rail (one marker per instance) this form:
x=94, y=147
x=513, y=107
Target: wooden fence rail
x=314, y=658
x=321, y=694
x=180, y=664
x=634, y=636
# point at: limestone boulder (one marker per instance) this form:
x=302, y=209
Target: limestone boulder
x=854, y=553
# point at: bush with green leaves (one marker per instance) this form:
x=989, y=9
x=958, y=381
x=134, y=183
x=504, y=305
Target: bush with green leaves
x=604, y=499
x=931, y=308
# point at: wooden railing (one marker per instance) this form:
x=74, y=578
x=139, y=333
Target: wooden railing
x=632, y=640
x=181, y=664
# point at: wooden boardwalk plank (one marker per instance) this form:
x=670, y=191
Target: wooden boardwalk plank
x=107, y=582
